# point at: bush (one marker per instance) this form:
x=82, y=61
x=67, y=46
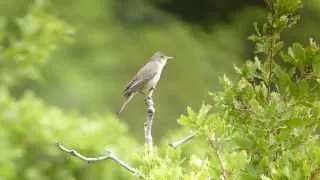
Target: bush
x=29, y=128
x=265, y=125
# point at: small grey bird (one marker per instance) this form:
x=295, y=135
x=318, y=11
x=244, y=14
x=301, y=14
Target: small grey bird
x=146, y=78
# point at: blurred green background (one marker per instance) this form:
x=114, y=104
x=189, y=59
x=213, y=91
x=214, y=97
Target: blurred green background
x=76, y=94
x=115, y=37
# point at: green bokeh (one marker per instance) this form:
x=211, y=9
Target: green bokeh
x=71, y=93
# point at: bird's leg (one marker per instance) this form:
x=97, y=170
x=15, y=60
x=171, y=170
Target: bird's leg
x=150, y=93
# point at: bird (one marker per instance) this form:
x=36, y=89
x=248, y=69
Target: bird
x=146, y=78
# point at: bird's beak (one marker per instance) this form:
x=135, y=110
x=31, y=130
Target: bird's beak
x=169, y=57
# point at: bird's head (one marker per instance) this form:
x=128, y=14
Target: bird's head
x=160, y=56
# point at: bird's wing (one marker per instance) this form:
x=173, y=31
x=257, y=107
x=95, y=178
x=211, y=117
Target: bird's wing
x=141, y=78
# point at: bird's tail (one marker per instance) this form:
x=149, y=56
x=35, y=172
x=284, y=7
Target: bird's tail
x=126, y=101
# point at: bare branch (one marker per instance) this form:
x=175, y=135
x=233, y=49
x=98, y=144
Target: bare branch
x=108, y=156
x=182, y=141
x=148, y=123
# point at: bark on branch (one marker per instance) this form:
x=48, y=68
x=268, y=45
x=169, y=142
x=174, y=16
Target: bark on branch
x=182, y=141
x=108, y=156
x=148, y=124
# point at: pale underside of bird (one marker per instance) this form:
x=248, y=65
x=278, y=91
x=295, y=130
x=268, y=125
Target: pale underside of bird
x=146, y=78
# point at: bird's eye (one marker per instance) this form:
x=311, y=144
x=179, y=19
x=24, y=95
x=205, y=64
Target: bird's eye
x=162, y=56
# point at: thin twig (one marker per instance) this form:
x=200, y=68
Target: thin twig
x=148, y=123
x=182, y=141
x=108, y=156
x=271, y=51
x=223, y=175
x=270, y=67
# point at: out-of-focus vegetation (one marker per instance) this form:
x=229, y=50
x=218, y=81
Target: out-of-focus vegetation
x=115, y=37
x=265, y=124
x=29, y=127
x=63, y=65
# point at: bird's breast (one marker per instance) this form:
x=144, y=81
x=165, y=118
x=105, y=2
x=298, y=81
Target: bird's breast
x=152, y=82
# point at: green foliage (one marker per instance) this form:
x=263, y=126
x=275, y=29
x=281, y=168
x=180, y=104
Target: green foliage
x=265, y=125
x=29, y=128
x=115, y=37
x=38, y=37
